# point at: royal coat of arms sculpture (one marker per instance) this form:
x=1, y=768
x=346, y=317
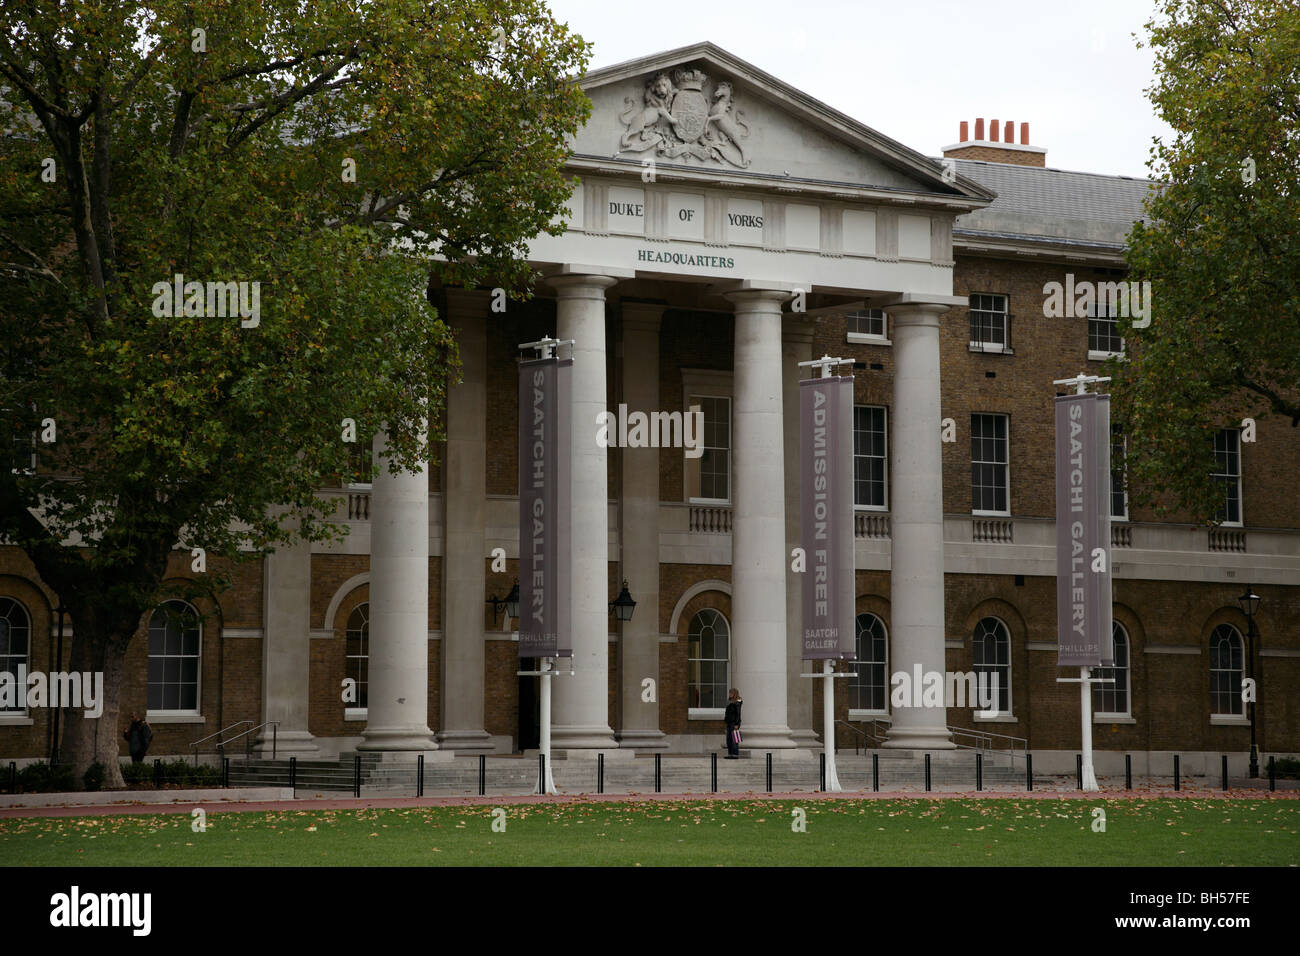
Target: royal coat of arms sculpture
x=678, y=121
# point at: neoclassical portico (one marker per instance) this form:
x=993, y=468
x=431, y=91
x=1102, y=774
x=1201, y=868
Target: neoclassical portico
x=720, y=190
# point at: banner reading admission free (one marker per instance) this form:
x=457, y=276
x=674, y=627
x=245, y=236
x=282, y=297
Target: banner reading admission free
x=826, y=471
x=1083, y=582
x=545, y=501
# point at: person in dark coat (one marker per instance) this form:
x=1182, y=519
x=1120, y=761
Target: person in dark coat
x=138, y=737
x=733, y=725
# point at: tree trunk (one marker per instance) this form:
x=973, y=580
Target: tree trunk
x=89, y=740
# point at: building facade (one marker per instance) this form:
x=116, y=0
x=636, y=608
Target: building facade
x=725, y=228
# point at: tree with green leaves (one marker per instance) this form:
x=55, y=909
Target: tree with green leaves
x=1221, y=247
x=217, y=226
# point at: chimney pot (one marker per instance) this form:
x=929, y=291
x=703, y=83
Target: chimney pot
x=965, y=131
x=1009, y=134
x=1024, y=134
x=993, y=130
x=979, y=128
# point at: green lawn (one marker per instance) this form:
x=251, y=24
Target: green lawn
x=952, y=832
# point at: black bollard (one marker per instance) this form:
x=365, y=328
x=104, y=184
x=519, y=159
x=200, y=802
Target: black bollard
x=157, y=774
x=419, y=775
x=714, y=768
x=356, y=775
x=1272, y=772
x=293, y=775
x=600, y=773
x=979, y=772
x=927, y=773
x=1128, y=771
x=482, y=775
x=875, y=772
x=823, y=771
x=769, y=771
x=225, y=772
x=1225, y=771
x=658, y=778
x=1029, y=771
x=1176, y=786
x=1078, y=769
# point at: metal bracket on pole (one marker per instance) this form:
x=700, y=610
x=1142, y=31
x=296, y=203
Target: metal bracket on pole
x=544, y=745
x=1081, y=382
x=546, y=346
x=828, y=720
x=826, y=363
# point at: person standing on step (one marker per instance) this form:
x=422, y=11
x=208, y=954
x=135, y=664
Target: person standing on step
x=138, y=736
x=733, y=725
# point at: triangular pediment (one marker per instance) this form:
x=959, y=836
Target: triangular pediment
x=699, y=110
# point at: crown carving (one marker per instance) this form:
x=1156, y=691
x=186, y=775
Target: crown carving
x=691, y=79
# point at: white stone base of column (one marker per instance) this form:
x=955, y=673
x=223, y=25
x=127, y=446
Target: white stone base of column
x=806, y=739
x=398, y=738
x=288, y=743
x=643, y=740
x=569, y=737
x=620, y=755
x=469, y=740
x=401, y=757
x=766, y=738
x=919, y=738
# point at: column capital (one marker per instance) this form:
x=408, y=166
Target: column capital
x=572, y=281
x=755, y=292
x=910, y=304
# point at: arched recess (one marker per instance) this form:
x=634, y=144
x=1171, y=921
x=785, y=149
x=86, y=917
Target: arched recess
x=344, y=590
x=694, y=590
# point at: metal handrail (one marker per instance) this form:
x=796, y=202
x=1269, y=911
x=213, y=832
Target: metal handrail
x=857, y=748
x=248, y=743
x=985, y=744
x=194, y=746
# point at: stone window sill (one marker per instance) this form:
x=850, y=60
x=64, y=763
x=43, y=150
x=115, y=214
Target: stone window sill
x=1112, y=719
x=1229, y=720
x=155, y=718
x=706, y=713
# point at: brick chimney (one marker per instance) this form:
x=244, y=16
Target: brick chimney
x=997, y=148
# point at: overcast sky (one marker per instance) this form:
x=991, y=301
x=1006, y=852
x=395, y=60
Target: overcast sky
x=913, y=69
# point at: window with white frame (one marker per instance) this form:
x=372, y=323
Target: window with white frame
x=1226, y=671
x=15, y=646
x=1227, y=473
x=356, y=663
x=1118, y=474
x=870, y=458
x=869, y=687
x=988, y=465
x=360, y=465
x=708, y=660
x=1112, y=700
x=1104, y=339
x=175, y=643
x=866, y=325
x=991, y=652
x=708, y=478
x=989, y=323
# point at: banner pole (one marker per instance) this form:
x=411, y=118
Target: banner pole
x=828, y=726
x=545, y=742
x=1085, y=706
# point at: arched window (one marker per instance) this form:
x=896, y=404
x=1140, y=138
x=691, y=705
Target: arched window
x=1112, y=699
x=991, y=647
x=357, y=664
x=15, y=646
x=175, y=641
x=709, y=659
x=1225, y=671
x=869, y=688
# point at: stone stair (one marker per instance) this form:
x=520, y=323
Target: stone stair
x=679, y=773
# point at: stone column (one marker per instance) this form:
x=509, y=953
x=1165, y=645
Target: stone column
x=758, y=537
x=286, y=652
x=398, y=705
x=464, y=498
x=796, y=347
x=581, y=701
x=916, y=579
x=639, y=534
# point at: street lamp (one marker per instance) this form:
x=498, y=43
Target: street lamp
x=510, y=602
x=623, y=605
x=1249, y=605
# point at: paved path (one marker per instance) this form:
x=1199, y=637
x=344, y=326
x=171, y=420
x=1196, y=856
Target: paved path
x=349, y=803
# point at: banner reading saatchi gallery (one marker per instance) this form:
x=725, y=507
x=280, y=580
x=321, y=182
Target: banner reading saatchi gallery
x=826, y=462
x=1083, y=588
x=545, y=501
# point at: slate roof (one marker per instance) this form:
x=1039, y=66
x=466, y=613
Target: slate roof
x=1053, y=204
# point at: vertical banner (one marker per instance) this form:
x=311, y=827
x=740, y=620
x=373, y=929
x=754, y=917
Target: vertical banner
x=564, y=505
x=826, y=477
x=1102, y=592
x=1078, y=499
x=543, y=491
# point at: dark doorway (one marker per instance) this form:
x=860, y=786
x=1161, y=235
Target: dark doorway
x=530, y=707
